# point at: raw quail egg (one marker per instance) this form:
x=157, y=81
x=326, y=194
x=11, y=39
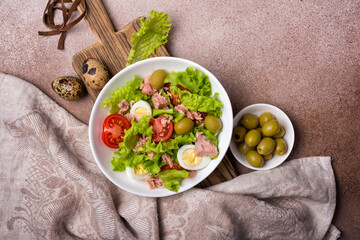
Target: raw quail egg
x=141, y=108
x=188, y=160
x=69, y=88
x=137, y=173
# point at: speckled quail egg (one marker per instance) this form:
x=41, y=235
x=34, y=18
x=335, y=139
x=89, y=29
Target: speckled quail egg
x=95, y=73
x=188, y=160
x=141, y=108
x=69, y=88
x=137, y=173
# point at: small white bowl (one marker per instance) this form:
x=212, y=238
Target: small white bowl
x=103, y=154
x=258, y=109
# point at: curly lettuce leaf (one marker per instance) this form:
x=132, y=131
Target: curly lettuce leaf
x=172, y=178
x=131, y=91
x=169, y=145
x=152, y=34
x=199, y=103
x=193, y=79
x=153, y=165
x=125, y=156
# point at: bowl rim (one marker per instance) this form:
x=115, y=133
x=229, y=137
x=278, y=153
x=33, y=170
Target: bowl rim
x=233, y=145
x=116, y=77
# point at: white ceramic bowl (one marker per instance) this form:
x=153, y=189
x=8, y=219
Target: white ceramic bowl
x=103, y=154
x=258, y=109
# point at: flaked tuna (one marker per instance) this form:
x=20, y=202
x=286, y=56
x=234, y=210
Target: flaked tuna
x=123, y=106
x=167, y=159
x=146, y=87
x=154, y=183
x=160, y=102
x=204, y=147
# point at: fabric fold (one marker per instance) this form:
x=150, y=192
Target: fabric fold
x=53, y=189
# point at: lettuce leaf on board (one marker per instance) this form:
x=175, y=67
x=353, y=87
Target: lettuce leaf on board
x=152, y=34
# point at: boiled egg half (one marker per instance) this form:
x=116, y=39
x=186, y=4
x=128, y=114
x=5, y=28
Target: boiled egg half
x=188, y=160
x=137, y=173
x=141, y=108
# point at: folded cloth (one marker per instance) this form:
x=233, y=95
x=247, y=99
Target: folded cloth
x=51, y=188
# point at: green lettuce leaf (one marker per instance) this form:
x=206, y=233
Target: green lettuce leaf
x=199, y=103
x=169, y=145
x=140, y=127
x=172, y=178
x=152, y=34
x=153, y=166
x=156, y=112
x=194, y=80
x=125, y=156
x=131, y=91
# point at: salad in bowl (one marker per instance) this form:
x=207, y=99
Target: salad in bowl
x=160, y=126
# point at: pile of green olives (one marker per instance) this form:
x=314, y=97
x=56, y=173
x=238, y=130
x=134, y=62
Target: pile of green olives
x=259, y=138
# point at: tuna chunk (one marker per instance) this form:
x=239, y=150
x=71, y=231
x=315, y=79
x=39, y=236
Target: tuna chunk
x=194, y=115
x=160, y=102
x=151, y=155
x=154, y=182
x=146, y=87
x=130, y=117
x=132, y=103
x=166, y=121
x=181, y=108
x=204, y=147
x=167, y=159
x=123, y=106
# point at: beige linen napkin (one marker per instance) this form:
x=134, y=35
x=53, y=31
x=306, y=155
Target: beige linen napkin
x=51, y=188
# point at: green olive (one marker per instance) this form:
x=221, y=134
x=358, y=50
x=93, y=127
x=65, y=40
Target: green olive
x=183, y=126
x=157, y=78
x=249, y=121
x=244, y=149
x=265, y=117
x=252, y=138
x=271, y=128
x=239, y=134
x=213, y=123
x=266, y=146
x=281, y=146
x=255, y=159
x=268, y=156
x=281, y=132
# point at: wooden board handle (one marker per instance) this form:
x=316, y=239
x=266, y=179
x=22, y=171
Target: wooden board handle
x=98, y=20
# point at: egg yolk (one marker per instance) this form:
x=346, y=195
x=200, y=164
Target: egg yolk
x=140, y=112
x=140, y=171
x=190, y=159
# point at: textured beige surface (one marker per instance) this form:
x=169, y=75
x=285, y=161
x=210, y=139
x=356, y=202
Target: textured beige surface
x=302, y=56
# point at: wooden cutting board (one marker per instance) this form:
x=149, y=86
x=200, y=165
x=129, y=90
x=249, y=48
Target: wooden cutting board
x=112, y=49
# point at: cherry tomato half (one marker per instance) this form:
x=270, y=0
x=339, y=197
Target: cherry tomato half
x=113, y=130
x=161, y=131
x=175, y=166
